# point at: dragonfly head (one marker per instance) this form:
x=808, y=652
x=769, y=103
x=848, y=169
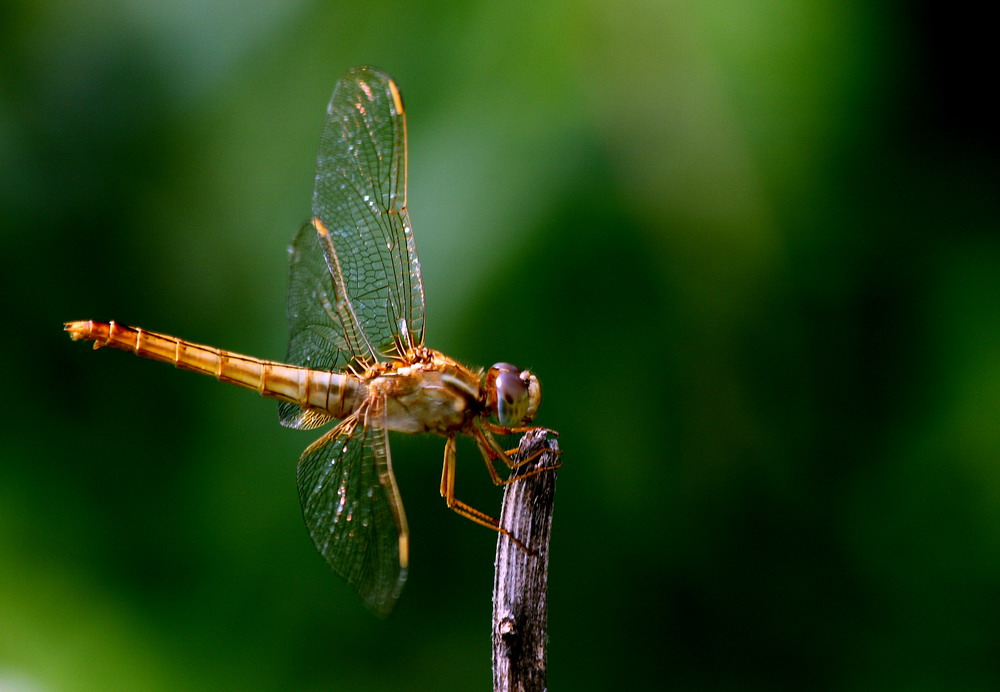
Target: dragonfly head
x=513, y=395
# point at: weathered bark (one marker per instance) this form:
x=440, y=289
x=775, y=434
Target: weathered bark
x=520, y=586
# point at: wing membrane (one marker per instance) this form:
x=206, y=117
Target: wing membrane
x=353, y=511
x=315, y=323
x=360, y=200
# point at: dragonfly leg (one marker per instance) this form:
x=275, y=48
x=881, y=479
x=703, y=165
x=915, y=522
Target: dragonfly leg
x=504, y=430
x=467, y=511
x=491, y=451
x=495, y=429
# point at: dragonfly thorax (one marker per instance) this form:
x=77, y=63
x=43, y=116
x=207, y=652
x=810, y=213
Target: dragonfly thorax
x=432, y=393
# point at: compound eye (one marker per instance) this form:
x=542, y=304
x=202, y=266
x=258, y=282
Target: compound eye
x=534, y=395
x=512, y=398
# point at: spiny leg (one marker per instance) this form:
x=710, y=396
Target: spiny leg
x=506, y=430
x=467, y=511
x=491, y=450
x=494, y=429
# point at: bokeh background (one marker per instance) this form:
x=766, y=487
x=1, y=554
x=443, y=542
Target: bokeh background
x=751, y=249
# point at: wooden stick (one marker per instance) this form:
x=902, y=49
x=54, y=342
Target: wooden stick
x=520, y=585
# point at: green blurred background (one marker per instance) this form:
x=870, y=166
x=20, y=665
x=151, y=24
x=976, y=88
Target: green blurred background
x=750, y=249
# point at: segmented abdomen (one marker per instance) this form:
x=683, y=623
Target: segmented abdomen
x=336, y=394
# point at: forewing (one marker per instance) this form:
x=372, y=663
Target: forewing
x=364, y=228
x=353, y=511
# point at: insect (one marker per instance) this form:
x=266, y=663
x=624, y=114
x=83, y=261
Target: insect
x=356, y=352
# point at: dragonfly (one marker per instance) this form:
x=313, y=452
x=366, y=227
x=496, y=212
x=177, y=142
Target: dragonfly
x=356, y=352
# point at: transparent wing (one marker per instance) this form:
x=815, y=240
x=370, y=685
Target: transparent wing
x=363, y=228
x=315, y=322
x=353, y=511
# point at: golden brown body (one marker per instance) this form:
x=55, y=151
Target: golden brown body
x=423, y=392
x=427, y=392
x=334, y=393
x=356, y=351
